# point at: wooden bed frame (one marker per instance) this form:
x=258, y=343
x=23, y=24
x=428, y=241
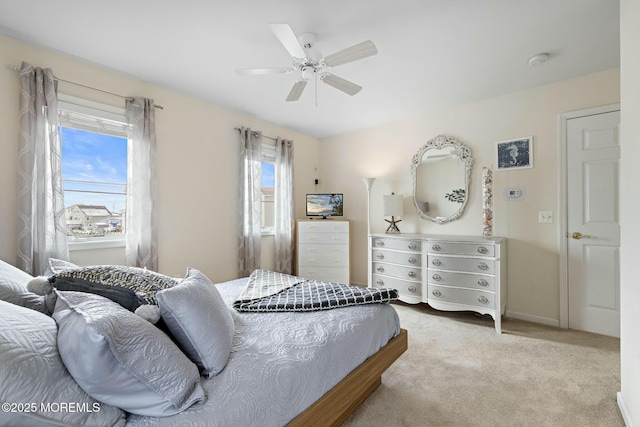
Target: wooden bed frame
x=337, y=404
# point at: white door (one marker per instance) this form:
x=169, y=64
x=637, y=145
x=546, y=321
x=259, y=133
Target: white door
x=593, y=154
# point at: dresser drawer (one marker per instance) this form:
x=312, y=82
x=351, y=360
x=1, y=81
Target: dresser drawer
x=398, y=271
x=403, y=286
x=403, y=258
x=461, y=296
x=462, y=280
x=398, y=244
x=327, y=260
x=322, y=238
x=471, y=265
x=323, y=226
x=313, y=249
x=325, y=274
x=477, y=249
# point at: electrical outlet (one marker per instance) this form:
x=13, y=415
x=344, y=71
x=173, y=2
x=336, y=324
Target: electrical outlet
x=545, y=217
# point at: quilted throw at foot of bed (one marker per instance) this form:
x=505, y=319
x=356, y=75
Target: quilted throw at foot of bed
x=271, y=291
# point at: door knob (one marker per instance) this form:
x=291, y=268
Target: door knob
x=579, y=235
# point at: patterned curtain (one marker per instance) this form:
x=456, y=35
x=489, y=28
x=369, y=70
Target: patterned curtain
x=250, y=203
x=284, y=206
x=141, y=217
x=41, y=221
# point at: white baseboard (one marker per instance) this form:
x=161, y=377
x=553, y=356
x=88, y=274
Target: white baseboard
x=532, y=318
x=623, y=409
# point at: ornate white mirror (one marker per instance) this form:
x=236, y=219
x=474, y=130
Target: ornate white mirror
x=441, y=171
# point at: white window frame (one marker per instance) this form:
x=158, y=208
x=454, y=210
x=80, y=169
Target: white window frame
x=111, y=121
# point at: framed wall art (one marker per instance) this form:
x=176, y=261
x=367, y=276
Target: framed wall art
x=514, y=153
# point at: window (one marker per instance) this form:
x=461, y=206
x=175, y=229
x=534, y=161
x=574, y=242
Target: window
x=94, y=169
x=268, y=188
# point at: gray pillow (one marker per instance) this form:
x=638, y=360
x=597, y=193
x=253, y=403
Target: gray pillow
x=31, y=372
x=13, y=288
x=121, y=359
x=128, y=286
x=199, y=320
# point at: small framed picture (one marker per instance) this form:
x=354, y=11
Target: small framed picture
x=514, y=153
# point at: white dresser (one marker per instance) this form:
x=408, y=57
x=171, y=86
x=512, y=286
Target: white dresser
x=452, y=273
x=322, y=250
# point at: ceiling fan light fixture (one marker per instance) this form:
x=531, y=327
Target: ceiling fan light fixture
x=341, y=84
x=307, y=60
x=353, y=53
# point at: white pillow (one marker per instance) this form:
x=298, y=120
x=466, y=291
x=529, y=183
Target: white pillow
x=121, y=359
x=13, y=288
x=199, y=320
x=32, y=373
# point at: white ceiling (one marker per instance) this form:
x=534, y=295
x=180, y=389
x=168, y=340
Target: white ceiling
x=433, y=54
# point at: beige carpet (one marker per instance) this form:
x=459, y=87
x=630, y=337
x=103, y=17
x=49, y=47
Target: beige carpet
x=459, y=372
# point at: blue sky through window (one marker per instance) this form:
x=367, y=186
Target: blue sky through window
x=268, y=179
x=94, y=166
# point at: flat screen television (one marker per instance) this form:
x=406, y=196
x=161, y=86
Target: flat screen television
x=324, y=205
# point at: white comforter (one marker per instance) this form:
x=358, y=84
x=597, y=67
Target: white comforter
x=281, y=363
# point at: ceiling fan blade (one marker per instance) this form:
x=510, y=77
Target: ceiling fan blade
x=353, y=53
x=288, y=38
x=341, y=84
x=260, y=71
x=296, y=90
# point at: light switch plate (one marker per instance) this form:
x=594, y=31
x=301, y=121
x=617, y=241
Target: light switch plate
x=545, y=217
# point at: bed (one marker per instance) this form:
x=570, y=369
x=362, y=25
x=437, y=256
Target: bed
x=291, y=368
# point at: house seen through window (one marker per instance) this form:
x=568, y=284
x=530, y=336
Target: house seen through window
x=93, y=139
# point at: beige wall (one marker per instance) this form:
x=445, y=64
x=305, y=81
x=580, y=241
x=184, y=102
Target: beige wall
x=197, y=163
x=629, y=397
x=385, y=153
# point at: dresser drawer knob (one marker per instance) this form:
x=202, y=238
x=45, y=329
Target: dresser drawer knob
x=482, y=299
x=436, y=277
x=379, y=282
x=483, y=283
x=412, y=274
x=436, y=247
x=483, y=250
x=413, y=246
x=482, y=266
x=380, y=269
x=380, y=256
x=412, y=288
x=436, y=293
x=379, y=243
x=436, y=262
x=412, y=260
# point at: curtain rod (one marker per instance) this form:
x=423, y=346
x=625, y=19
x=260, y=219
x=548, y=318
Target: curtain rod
x=264, y=136
x=14, y=68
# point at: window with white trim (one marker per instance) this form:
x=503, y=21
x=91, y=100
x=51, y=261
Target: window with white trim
x=93, y=139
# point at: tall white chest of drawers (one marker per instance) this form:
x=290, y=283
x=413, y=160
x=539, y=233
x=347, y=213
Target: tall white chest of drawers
x=323, y=250
x=452, y=273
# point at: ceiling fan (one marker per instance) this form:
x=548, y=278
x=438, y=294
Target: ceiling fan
x=308, y=61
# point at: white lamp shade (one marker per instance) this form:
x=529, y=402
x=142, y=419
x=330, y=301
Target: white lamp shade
x=368, y=182
x=392, y=205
